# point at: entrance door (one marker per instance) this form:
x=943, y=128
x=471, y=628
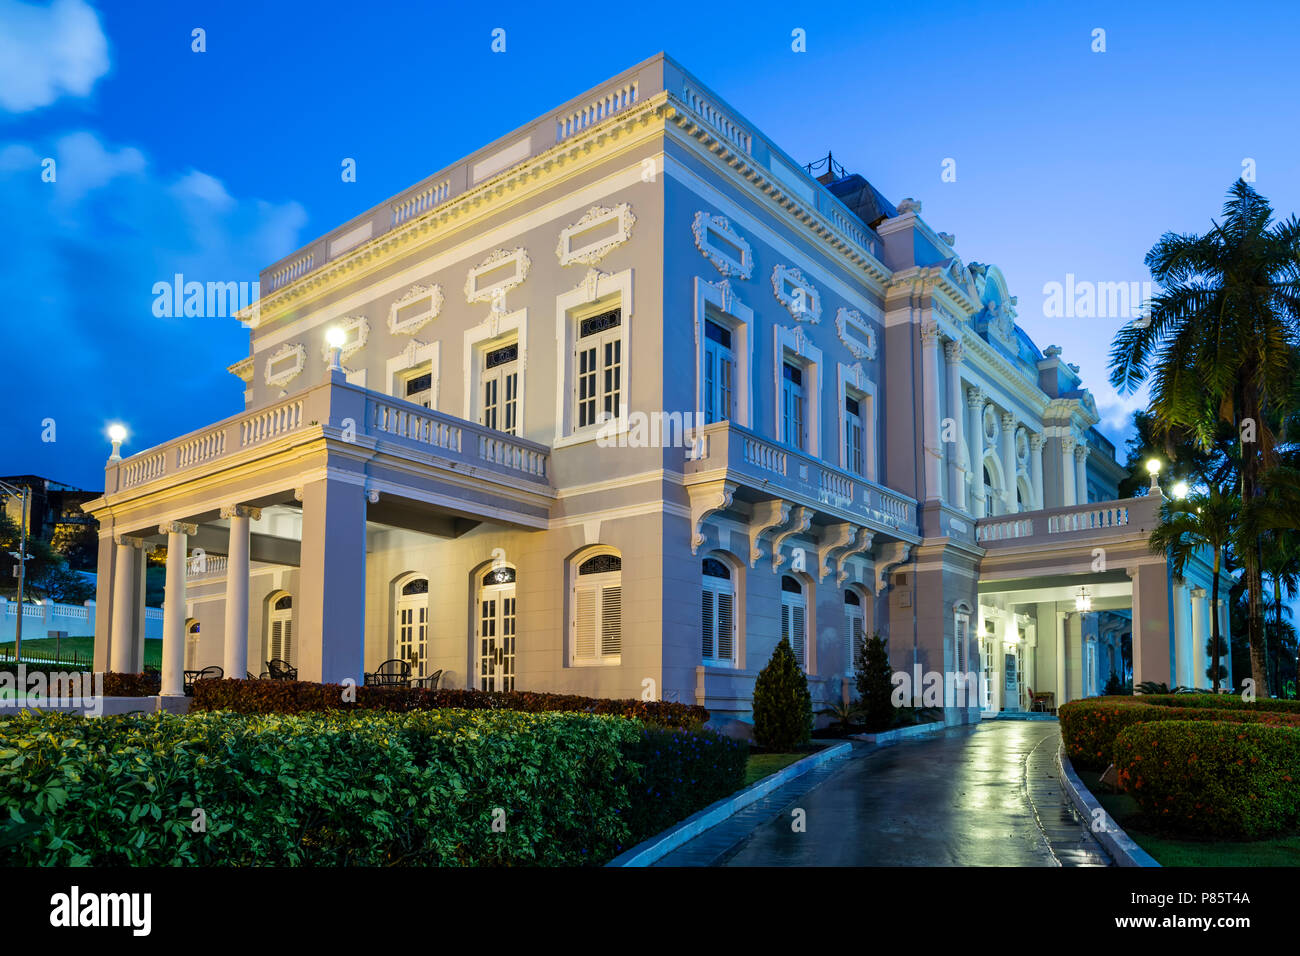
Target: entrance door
x=413, y=626
x=496, y=630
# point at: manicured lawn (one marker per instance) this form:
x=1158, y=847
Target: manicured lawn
x=84, y=647
x=762, y=765
x=1172, y=851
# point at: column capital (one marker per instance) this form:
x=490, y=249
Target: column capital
x=1008, y=422
x=930, y=334
x=1081, y=451
x=975, y=397
x=128, y=540
x=1198, y=593
x=952, y=351
x=178, y=527
x=1035, y=441
x=1067, y=444
x=241, y=511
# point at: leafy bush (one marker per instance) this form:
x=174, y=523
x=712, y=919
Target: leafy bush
x=1213, y=778
x=1089, y=727
x=1205, y=699
x=875, y=684
x=783, y=716
x=423, y=787
x=147, y=684
x=680, y=772
x=299, y=697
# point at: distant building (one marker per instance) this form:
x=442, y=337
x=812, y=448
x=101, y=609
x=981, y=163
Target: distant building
x=53, y=505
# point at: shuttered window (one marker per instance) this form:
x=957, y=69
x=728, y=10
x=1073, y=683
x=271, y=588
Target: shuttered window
x=717, y=614
x=279, y=639
x=597, y=634
x=854, y=628
x=794, y=624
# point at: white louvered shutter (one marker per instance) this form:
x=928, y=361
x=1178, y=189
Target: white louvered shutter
x=799, y=634
x=584, y=645
x=726, y=626
x=706, y=622
x=611, y=621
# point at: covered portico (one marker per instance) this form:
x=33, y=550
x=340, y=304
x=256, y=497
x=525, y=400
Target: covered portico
x=299, y=486
x=1064, y=591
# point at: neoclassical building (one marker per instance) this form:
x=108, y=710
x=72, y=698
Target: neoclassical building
x=613, y=404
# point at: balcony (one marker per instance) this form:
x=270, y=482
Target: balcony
x=735, y=455
x=385, y=443
x=1098, y=520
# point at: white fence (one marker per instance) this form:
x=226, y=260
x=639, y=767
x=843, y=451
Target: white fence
x=78, y=620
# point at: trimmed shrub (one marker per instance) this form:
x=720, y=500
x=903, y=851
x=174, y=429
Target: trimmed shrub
x=1213, y=778
x=680, y=772
x=783, y=717
x=147, y=684
x=423, y=787
x=299, y=697
x=1217, y=701
x=1089, y=727
x=875, y=685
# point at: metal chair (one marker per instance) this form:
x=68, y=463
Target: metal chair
x=211, y=672
x=429, y=682
x=280, y=669
x=394, y=672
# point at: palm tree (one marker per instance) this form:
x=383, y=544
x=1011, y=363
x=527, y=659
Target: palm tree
x=1274, y=518
x=1199, y=521
x=1220, y=344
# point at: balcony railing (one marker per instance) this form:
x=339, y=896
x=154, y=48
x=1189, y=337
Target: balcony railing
x=1130, y=515
x=786, y=473
x=392, y=424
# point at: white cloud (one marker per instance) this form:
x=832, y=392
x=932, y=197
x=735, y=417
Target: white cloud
x=48, y=52
x=1117, y=410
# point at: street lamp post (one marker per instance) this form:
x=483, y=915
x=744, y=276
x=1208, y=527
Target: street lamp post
x=24, y=495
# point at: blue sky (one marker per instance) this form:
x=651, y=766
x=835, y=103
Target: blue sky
x=215, y=164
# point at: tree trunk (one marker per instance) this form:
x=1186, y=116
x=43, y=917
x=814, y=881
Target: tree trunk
x=1215, y=647
x=1251, y=555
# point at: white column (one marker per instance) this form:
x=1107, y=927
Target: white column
x=1036, y=464
x=122, y=635
x=1062, y=692
x=952, y=353
x=235, y=660
x=173, y=652
x=1081, y=473
x=1182, y=639
x=1225, y=639
x=1068, y=472
x=1008, y=423
x=933, y=451
x=1200, y=637
x=975, y=445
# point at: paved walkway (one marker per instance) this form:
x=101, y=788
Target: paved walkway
x=982, y=796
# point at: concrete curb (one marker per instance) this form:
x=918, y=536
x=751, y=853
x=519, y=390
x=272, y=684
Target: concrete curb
x=1117, y=843
x=902, y=733
x=661, y=844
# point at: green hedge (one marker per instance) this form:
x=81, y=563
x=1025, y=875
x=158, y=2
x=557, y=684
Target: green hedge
x=421, y=787
x=1213, y=778
x=115, y=684
x=1089, y=727
x=297, y=697
x=1209, y=700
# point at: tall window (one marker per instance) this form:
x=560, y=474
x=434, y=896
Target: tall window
x=417, y=386
x=854, y=628
x=496, y=629
x=597, y=632
x=412, y=625
x=500, y=388
x=794, y=618
x=279, y=635
x=794, y=413
x=718, y=614
x=192, y=647
x=853, y=435
x=719, y=372
x=599, y=368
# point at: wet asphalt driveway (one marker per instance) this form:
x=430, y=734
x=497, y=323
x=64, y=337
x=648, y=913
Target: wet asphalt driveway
x=982, y=796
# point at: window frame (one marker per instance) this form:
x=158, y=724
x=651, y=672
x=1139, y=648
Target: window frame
x=600, y=583
x=595, y=294
x=716, y=587
x=794, y=347
x=717, y=303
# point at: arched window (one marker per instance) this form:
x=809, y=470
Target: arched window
x=854, y=628
x=411, y=625
x=596, y=634
x=794, y=618
x=718, y=614
x=279, y=631
x=496, y=629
